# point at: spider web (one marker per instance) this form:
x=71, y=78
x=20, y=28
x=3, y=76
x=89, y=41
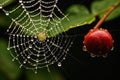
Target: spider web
x=30, y=18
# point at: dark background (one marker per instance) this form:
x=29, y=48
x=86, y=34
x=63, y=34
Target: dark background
x=78, y=64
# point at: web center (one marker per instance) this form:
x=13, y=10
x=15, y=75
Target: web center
x=42, y=36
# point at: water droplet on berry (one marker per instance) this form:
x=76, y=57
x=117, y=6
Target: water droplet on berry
x=105, y=55
x=92, y=55
x=84, y=48
x=112, y=48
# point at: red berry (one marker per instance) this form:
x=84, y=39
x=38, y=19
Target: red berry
x=98, y=42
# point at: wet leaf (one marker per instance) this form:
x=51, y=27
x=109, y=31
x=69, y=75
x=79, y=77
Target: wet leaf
x=78, y=15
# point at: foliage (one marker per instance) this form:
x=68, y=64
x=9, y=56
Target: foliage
x=78, y=16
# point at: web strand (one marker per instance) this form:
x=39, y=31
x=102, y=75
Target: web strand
x=33, y=22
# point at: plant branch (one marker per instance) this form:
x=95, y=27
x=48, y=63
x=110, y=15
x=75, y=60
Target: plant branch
x=106, y=15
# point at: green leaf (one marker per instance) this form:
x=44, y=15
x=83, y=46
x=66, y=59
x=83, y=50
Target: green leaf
x=78, y=16
x=5, y=2
x=99, y=8
x=9, y=68
x=4, y=20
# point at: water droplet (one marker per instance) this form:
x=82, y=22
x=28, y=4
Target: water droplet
x=52, y=62
x=38, y=55
x=105, y=55
x=16, y=58
x=20, y=66
x=112, y=48
x=37, y=60
x=32, y=40
x=7, y=13
x=8, y=30
x=20, y=1
x=50, y=15
x=8, y=48
x=28, y=57
x=67, y=50
x=20, y=35
x=23, y=6
x=59, y=64
x=17, y=45
x=26, y=49
x=56, y=0
x=0, y=6
x=31, y=20
x=17, y=35
x=35, y=72
x=39, y=7
x=34, y=65
x=14, y=20
x=35, y=37
x=13, y=59
x=92, y=55
x=84, y=48
x=64, y=58
x=49, y=20
x=27, y=13
x=47, y=62
x=30, y=46
x=24, y=62
x=23, y=35
x=54, y=5
x=77, y=25
x=61, y=47
x=13, y=35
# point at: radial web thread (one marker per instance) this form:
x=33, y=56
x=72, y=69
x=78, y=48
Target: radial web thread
x=33, y=24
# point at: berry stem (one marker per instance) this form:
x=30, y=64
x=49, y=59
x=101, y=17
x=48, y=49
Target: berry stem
x=106, y=15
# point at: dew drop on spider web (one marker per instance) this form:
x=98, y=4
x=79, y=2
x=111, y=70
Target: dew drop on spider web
x=20, y=66
x=28, y=57
x=30, y=46
x=32, y=34
x=59, y=64
x=7, y=13
x=0, y=6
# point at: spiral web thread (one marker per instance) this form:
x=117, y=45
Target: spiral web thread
x=34, y=17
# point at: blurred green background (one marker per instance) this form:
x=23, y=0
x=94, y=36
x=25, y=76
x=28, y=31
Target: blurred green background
x=78, y=64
